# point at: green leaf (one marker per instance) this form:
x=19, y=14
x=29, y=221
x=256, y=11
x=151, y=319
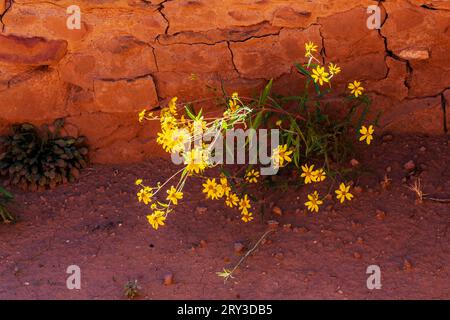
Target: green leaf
x=302, y=70
x=190, y=113
x=199, y=114
x=362, y=117
x=257, y=122
x=265, y=94
x=6, y=194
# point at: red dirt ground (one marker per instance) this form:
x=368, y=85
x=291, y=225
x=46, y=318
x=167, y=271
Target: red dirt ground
x=98, y=225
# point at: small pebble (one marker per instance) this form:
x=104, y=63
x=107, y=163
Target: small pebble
x=301, y=230
x=273, y=224
x=239, y=247
x=201, y=210
x=168, y=279
x=380, y=215
x=277, y=211
x=203, y=243
x=279, y=256
x=357, y=190
x=407, y=266
x=409, y=166
x=354, y=162
x=355, y=224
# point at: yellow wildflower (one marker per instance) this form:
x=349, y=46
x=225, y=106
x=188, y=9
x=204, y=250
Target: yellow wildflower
x=138, y=182
x=180, y=139
x=173, y=140
x=232, y=200
x=252, y=176
x=314, y=202
x=198, y=126
x=165, y=140
x=233, y=106
x=309, y=48
x=211, y=189
x=343, y=193
x=319, y=175
x=355, y=88
x=145, y=195
x=174, y=195
x=156, y=219
x=142, y=115
x=195, y=160
x=168, y=122
x=173, y=105
x=366, y=134
x=333, y=69
x=247, y=217
x=319, y=75
x=224, y=183
x=280, y=155
x=244, y=204
x=308, y=173
x=220, y=191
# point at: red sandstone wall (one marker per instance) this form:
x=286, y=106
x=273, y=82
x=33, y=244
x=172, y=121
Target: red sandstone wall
x=132, y=54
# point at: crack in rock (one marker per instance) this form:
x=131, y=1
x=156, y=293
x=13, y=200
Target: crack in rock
x=390, y=53
x=444, y=111
x=7, y=5
x=160, y=10
x=232, y=59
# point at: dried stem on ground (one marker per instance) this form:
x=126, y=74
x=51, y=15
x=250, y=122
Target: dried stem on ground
x=418, y=190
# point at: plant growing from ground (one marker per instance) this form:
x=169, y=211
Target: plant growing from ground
x=311, y=140
x=307, y=128
x=417, y=188
x=184, y=134
x=5, y=198
x=38, y=158
x=131, y=289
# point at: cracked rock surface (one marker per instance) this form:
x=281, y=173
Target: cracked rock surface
x=132, y=54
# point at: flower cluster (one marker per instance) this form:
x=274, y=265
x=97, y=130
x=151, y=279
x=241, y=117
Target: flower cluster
x=322, y=76
x=281, y=156
x=215, y=190
x=310, y=175
x=183, y=135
